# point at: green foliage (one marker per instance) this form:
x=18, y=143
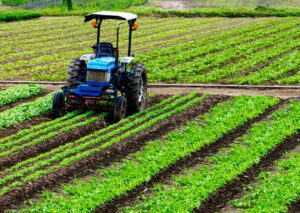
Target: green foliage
x=16, y=15
x=190, y=189
x=26, y=111
x=46, y=133
x=275, y=189
x=95, y=142
x=155, y=156
x=173, y=49
x=16, y=93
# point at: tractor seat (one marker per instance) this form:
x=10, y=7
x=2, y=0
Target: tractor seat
x=106, y=49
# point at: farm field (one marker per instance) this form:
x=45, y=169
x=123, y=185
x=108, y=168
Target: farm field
x=184, y=152
x=191, y=50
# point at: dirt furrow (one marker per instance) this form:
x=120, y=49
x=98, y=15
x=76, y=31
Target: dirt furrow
x=67, y=137
x=106, y=157
x=195, y=158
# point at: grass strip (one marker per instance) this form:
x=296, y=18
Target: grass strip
x=156, y=155
x=190, y=189
x=16, y=15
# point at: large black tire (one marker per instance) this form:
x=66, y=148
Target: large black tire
x=58, y=107
x=120, y=108
x=136, y=89
x=76, y=71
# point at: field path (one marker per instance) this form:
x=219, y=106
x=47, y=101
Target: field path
x=174, y=5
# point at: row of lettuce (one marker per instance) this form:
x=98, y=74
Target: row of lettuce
x=196, y=184
x=24, y=111
x=226, y=51
x=229, y=60
x=19, y=92
x=276, y=189
x=188, y=190
x=62, y=156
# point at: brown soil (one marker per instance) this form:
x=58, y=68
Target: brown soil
x=283, y=94
x=195, y=158
x=25, y=125
x=295, y=207
x=220, y=198
x=105, y=157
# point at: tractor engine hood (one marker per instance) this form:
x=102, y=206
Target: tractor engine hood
x=102, y=64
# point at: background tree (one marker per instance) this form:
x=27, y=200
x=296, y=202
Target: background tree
x=68, y=3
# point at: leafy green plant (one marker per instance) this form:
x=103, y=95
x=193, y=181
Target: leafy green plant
x=275, y=189
x=15, y=93
x=187, y=191
x=26, y=111
x=155, y=156
x=95, y=142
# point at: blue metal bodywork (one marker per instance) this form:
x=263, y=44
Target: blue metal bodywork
x=94, y=88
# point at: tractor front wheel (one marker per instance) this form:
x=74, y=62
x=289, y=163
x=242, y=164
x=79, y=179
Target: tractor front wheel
x=58, y=106
x=76, y=73
x=120, y=108
x=136, y=89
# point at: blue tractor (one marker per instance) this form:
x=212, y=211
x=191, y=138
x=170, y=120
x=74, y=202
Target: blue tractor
x=103, y=81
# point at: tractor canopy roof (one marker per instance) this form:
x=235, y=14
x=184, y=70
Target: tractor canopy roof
x=111, y=15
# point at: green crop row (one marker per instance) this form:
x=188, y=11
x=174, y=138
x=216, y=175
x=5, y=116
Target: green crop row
x=276, y=69
x=275, y=189
x=59, y=37
x=199, y=41
x=31, y=132
x=156, y=155
x=15, y=93
x=26, y=111
x=294, y=79
x=86, y=37
x=90, y=136
x=74, y=151
x=188, y=51
x=47, y=133
x=187, y=191
x=248, y=62
x=64, y=56
x=238, y=47
x=59, y=64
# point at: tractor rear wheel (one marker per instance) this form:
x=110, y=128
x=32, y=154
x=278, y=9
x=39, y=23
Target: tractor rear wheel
x=136, y=89
x=58, y=106
x=120, y=108
x=76, y=72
